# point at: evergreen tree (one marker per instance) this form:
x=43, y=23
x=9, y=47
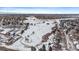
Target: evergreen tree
x=50, y=48
x=33, y=48
x=43, y=48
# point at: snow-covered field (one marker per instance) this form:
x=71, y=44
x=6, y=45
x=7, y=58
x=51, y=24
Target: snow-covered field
x=24, y=39
x=37, y=28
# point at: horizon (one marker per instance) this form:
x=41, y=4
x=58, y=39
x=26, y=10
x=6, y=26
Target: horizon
x=39, y=10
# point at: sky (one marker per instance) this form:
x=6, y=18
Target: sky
x=40, y=10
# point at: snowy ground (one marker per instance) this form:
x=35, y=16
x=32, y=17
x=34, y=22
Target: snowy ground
x=34, y=33
x=30, y=37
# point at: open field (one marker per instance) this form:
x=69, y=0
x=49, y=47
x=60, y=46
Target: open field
x=39, y=32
